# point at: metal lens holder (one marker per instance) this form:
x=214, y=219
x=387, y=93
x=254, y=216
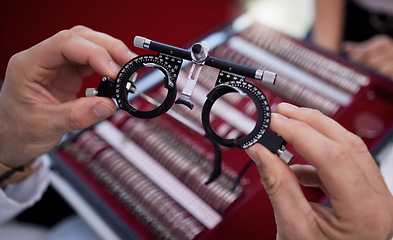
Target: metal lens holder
x=232, y=78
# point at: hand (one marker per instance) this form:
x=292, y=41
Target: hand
x=340, y=164
x=376, y=53
x=37, y=102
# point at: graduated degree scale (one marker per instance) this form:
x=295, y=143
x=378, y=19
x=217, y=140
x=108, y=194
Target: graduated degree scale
x=147, y=177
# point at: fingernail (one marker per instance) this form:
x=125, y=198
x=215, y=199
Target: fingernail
x=114, y=67
x=103, y=110
x=256, y=161
x=251, y=153
x=131, y=54
x=287, y=106
x=278, y=116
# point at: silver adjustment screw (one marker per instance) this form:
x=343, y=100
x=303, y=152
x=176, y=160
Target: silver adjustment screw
x=269, y=77
x=285, y=155
x=91, y=92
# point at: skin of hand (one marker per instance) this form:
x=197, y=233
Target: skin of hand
x=38, y=102
x=376, y=53
x=340, y=164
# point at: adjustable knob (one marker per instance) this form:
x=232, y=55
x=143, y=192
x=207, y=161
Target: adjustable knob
x=91, y=92
x=285, y=155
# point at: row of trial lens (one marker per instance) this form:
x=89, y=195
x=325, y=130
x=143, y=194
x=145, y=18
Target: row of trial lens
x=176, y=153
x=165, y=218
x=328, y=69
x=285, y=86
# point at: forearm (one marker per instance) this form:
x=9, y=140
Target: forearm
x=329, y=23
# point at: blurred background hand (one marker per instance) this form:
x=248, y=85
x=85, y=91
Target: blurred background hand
x=376, y=53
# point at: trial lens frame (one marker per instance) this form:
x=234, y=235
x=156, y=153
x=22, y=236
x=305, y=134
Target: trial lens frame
x=231, y=78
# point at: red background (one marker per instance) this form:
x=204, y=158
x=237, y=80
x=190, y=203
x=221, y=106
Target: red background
x=175, y=22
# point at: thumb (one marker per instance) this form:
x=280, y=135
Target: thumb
x=84, y=112
x=281, y=185
x=275, y=174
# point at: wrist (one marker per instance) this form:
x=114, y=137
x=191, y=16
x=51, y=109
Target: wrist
x=14, y=147
x=17, y=174
x=12, y=152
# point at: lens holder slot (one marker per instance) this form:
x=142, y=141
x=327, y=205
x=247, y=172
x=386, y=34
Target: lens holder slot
x=168, y=65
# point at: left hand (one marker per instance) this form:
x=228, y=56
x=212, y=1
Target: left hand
x=37, y=101
x=376, y=53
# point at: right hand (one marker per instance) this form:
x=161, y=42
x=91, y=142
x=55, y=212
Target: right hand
x=340, y=164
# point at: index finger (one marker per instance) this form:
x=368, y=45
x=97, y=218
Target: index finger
x=335, y=166
x=68, y=47
x=115, y=47
x=349, y=142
